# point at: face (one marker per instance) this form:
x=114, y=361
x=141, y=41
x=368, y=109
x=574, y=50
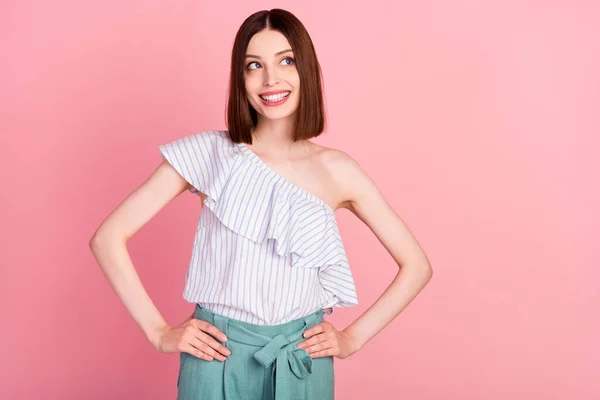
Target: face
x=270, y=73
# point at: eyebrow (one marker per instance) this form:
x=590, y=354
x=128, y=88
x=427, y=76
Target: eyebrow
x=278, y=53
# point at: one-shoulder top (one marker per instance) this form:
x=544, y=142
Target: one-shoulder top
x=265, y=251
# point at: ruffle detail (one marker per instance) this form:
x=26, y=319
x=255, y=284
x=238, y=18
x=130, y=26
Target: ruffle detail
x=260, y=205
x=254, y=201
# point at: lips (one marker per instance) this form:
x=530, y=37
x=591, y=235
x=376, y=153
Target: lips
x=275, y=100
x=282, y=94
x=273, y=92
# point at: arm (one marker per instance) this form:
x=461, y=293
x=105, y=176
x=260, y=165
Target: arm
x=108, y=244
x=365, y=200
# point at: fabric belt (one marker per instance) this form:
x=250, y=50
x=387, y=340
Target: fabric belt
x=292, y=364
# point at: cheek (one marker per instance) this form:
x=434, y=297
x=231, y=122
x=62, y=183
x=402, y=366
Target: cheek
x=296, y=85
x=251, y=88
x=293, y=78
x=252, y=81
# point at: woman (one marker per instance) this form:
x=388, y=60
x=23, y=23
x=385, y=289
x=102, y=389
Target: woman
x=268, y=261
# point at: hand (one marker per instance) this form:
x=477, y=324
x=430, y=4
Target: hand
x=326, y=340
x=193, y=336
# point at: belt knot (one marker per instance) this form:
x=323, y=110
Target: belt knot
x=299, y=360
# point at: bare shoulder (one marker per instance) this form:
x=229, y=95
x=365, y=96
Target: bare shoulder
x=337, y=161
x=356, y=191
x=346, y=177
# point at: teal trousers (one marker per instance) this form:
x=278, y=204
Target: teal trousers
x=265, y=364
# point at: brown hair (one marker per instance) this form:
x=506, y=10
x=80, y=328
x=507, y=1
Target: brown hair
x=310, y=116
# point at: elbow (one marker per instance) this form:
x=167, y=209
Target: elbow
x=425, y=270
x=95, y=243
x=422, y=266
x=421, y=271
x=425, y=267
x=97, y=238
x=428, y=272
x=104, y=236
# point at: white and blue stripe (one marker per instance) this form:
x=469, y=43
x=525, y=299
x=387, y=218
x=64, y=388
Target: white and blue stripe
x=235, y=270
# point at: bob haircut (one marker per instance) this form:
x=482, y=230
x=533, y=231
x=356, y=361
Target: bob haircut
x=310, y=115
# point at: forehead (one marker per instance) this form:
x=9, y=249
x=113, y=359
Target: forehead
x=267, y=42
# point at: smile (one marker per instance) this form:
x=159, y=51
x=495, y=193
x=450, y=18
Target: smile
x=276, y=99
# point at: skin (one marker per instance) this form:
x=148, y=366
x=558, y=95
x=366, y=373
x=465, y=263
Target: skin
x=329, y=174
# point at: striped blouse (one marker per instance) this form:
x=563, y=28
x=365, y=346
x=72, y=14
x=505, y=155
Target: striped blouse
x=265, y=251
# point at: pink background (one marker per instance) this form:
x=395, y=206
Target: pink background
x=478, y=121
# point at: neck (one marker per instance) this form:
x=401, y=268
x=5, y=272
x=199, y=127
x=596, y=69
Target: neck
x=271, y=134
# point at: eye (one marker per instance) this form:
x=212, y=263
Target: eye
x=291, y=59
x=290, y=62
x=249, y=64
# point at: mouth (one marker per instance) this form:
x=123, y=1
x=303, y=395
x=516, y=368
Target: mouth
x=275, y=99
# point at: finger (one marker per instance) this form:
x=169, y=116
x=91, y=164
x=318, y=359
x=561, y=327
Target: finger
x=314, y=330
x=332, y=351
x=313, y=340
x=206, y=349
x=208, y=328
x=211, y=345
x=321, y=349
x=188, y=348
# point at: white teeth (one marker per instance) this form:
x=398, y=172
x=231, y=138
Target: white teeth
x=276, y=97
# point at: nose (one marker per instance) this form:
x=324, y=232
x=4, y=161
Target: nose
x=270, y=77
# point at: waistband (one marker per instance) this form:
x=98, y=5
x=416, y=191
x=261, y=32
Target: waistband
x=274, y=344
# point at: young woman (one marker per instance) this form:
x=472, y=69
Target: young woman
x=268, y=261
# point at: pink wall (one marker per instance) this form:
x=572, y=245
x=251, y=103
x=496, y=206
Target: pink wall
x=478, y=120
